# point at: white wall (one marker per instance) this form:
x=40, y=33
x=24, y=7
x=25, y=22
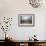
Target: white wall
x=11, y=8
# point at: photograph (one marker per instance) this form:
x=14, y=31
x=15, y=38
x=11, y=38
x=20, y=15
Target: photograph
x=26, y=19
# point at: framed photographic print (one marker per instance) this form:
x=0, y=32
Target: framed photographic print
x=26, y=19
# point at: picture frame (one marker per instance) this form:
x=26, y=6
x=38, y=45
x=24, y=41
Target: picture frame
x=26, y=20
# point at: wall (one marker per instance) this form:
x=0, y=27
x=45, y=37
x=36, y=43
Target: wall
x=11, y=8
